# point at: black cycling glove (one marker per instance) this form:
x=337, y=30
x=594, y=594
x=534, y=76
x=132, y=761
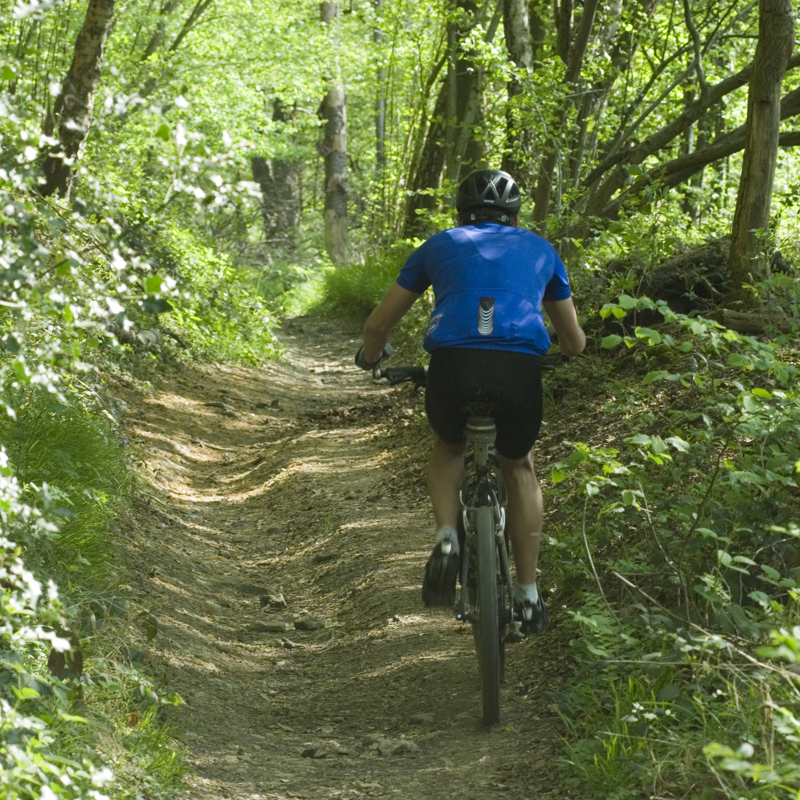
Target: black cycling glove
x=360, y=362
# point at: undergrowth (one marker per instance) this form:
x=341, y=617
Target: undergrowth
x=681, y=566
x=79, y=711
x=79, y=715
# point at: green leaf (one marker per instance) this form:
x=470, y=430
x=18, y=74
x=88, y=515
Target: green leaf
x=707, y=594
x=738, y=360
x=654, y=337
x=164, y=133
x=156, y=305
x=763, y=393
x=626, y=301
x=153, y=284
x=7, y=73
x=666, y=693
x=656, y=375
x=556, y=476
x=679, y=444
x=610, y=341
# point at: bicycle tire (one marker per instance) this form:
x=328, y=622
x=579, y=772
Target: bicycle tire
x=487, y=635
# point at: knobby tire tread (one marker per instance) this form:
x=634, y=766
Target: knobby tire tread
x=488, y=633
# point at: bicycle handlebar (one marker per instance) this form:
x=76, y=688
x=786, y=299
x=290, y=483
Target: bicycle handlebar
x=395, y=375
x=418, y=375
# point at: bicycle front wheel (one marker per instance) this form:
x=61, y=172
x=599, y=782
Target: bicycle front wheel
x=487, y=634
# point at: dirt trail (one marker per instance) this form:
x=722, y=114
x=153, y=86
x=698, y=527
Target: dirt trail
x=293, y=497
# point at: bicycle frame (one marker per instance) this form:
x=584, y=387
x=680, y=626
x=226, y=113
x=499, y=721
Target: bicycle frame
x=481, y=488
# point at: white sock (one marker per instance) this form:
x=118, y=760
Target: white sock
x=526, y=591
x=448, y=536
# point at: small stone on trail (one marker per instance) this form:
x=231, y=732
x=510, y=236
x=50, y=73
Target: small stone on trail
x=274, y=600
x=268, y=627
x=309, y=624
x=289, y=644
x=395, y=747
x=315, y=752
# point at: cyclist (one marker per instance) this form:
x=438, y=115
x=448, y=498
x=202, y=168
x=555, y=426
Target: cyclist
x=486, y=337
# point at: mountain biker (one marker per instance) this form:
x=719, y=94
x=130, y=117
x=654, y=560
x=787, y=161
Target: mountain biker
x=486, y=337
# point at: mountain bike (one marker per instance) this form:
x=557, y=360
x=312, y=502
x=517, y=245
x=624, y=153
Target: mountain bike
x=486, y=596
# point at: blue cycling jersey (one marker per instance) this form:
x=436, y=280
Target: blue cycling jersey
x=489, y=281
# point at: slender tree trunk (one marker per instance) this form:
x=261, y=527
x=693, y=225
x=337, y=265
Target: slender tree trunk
x=161, y=29
x=547, y=180
x=380, y=113
x=774, y=49
x=74, y=105
x=520, y=49
x=333, y=148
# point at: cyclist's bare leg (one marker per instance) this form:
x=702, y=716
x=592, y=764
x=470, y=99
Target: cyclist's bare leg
x=445, y=475
x=524, y=514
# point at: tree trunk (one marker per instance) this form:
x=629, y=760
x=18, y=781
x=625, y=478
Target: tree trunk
x=380, y=114
x=450, y=146
x=520, y=49
x=281, y=204
x=577, y=52
x=333, y=148
x=774, y=49
x=74, y=105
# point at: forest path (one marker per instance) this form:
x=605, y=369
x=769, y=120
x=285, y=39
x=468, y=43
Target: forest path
x=292, y=497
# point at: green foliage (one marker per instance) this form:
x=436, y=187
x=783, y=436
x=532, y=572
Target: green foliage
x=71, y=287
x=65, y=719
x=68, y=460
x=690, y=566
x=220, y=313
x=353, y=288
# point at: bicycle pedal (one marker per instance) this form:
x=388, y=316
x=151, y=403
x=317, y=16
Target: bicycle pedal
x=515, y=634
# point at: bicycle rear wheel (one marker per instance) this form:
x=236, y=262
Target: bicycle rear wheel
x=487, y=633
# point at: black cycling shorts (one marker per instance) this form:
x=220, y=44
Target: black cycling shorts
x=511, y=382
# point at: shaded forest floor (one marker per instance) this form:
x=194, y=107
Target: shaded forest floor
x=280, y=538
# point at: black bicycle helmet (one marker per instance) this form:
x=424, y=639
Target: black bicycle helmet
x=488, y=188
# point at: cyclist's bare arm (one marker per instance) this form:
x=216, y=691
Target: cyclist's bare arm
x=571, y=338
x=387, y=314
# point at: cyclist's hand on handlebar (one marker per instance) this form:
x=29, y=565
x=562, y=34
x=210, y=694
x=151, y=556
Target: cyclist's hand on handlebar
x=360, y=361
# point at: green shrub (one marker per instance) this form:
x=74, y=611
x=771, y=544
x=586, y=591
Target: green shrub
x=353, y=288
x=683, y=561
x=68, y=460
x=216, y=306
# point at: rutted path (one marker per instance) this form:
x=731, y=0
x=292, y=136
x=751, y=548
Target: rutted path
x=280, y=545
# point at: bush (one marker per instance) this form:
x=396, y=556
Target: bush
x=688, y=589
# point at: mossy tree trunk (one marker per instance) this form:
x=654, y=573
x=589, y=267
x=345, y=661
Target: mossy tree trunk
x=762, y=129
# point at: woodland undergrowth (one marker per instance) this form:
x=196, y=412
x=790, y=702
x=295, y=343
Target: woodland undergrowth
x=96, y=290
x=677, y=559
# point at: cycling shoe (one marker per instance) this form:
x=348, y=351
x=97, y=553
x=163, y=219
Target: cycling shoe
x=439, y=584
x=532, y=616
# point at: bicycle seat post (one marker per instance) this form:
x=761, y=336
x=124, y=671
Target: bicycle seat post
x=481, y=431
